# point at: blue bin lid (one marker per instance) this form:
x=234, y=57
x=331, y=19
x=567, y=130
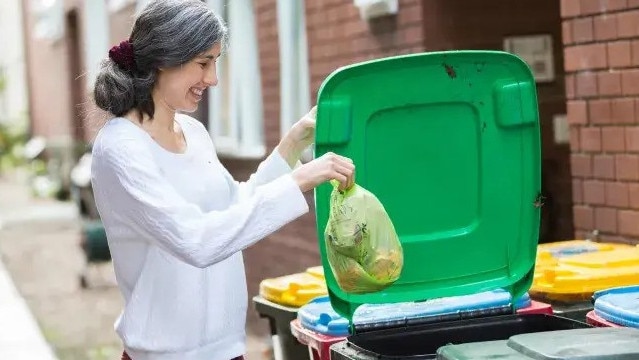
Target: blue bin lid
x=618, y=305
x=523, y=302
x=319, y=316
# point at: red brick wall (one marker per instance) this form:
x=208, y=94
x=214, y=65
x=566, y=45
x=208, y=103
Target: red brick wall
x=49, y=74
x=455, y=24
x=602, y=63
x=292, y=248
x=266, y=18
x=337, y=36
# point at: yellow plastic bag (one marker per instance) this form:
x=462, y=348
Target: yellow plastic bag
x=363, y=248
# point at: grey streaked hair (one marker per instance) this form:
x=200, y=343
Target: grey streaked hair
x=165, y=34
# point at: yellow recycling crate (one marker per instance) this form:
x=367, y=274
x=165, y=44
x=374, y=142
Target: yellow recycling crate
x=548, y=254
x=576, y=278
x=293, y=290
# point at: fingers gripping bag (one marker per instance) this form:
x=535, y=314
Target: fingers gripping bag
x=363, y=248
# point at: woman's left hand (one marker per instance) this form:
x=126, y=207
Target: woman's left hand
x=299, y=137
x=302, y=134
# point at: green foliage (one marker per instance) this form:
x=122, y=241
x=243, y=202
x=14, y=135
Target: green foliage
x=12, y=140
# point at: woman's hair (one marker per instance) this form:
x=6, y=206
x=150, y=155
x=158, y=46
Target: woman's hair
x=166, y=33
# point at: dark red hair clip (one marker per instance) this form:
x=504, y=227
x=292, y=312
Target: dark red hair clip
x=122, y=55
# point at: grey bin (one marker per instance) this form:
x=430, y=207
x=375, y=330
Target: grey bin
x=580, y=344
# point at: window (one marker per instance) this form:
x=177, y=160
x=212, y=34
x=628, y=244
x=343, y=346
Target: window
x=294, y=73
x=117, y=5
x=235, y=111
x=96, y=37
x=49, y=19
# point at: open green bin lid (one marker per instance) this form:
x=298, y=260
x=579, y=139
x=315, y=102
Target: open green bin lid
x=450, y=144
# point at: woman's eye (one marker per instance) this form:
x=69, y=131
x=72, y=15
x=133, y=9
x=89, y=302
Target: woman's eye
x=202, y=65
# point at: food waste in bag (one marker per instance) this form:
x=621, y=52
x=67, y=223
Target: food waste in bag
x=362, y=246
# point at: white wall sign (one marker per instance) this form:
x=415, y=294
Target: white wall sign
x=536, y=51
x=561, y=129
x=369, y=9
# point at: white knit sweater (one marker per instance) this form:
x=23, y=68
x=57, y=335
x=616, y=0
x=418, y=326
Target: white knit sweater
x=176, y=225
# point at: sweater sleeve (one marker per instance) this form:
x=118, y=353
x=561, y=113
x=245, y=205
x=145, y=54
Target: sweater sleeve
x=268, y=170
x=139, y=195
x=271, y=168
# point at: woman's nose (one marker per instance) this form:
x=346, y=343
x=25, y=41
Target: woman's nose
x=210, y=78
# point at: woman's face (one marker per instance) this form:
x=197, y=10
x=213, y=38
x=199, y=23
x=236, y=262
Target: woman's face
x=181, y=88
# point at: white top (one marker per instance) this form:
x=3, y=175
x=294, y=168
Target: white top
x=176, y=225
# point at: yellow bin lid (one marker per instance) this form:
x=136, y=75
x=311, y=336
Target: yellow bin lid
x=561, y=249
x=293, y=290
x=317, y=271
x=548, y=254
x=577, y=277
x=607, y=260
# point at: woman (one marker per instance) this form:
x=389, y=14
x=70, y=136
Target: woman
x=175, y=219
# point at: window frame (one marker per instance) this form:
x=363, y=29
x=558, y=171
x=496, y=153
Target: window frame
x=295, y=96
x=236, y=101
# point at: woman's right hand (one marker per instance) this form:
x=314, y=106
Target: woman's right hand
x=325, y=168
